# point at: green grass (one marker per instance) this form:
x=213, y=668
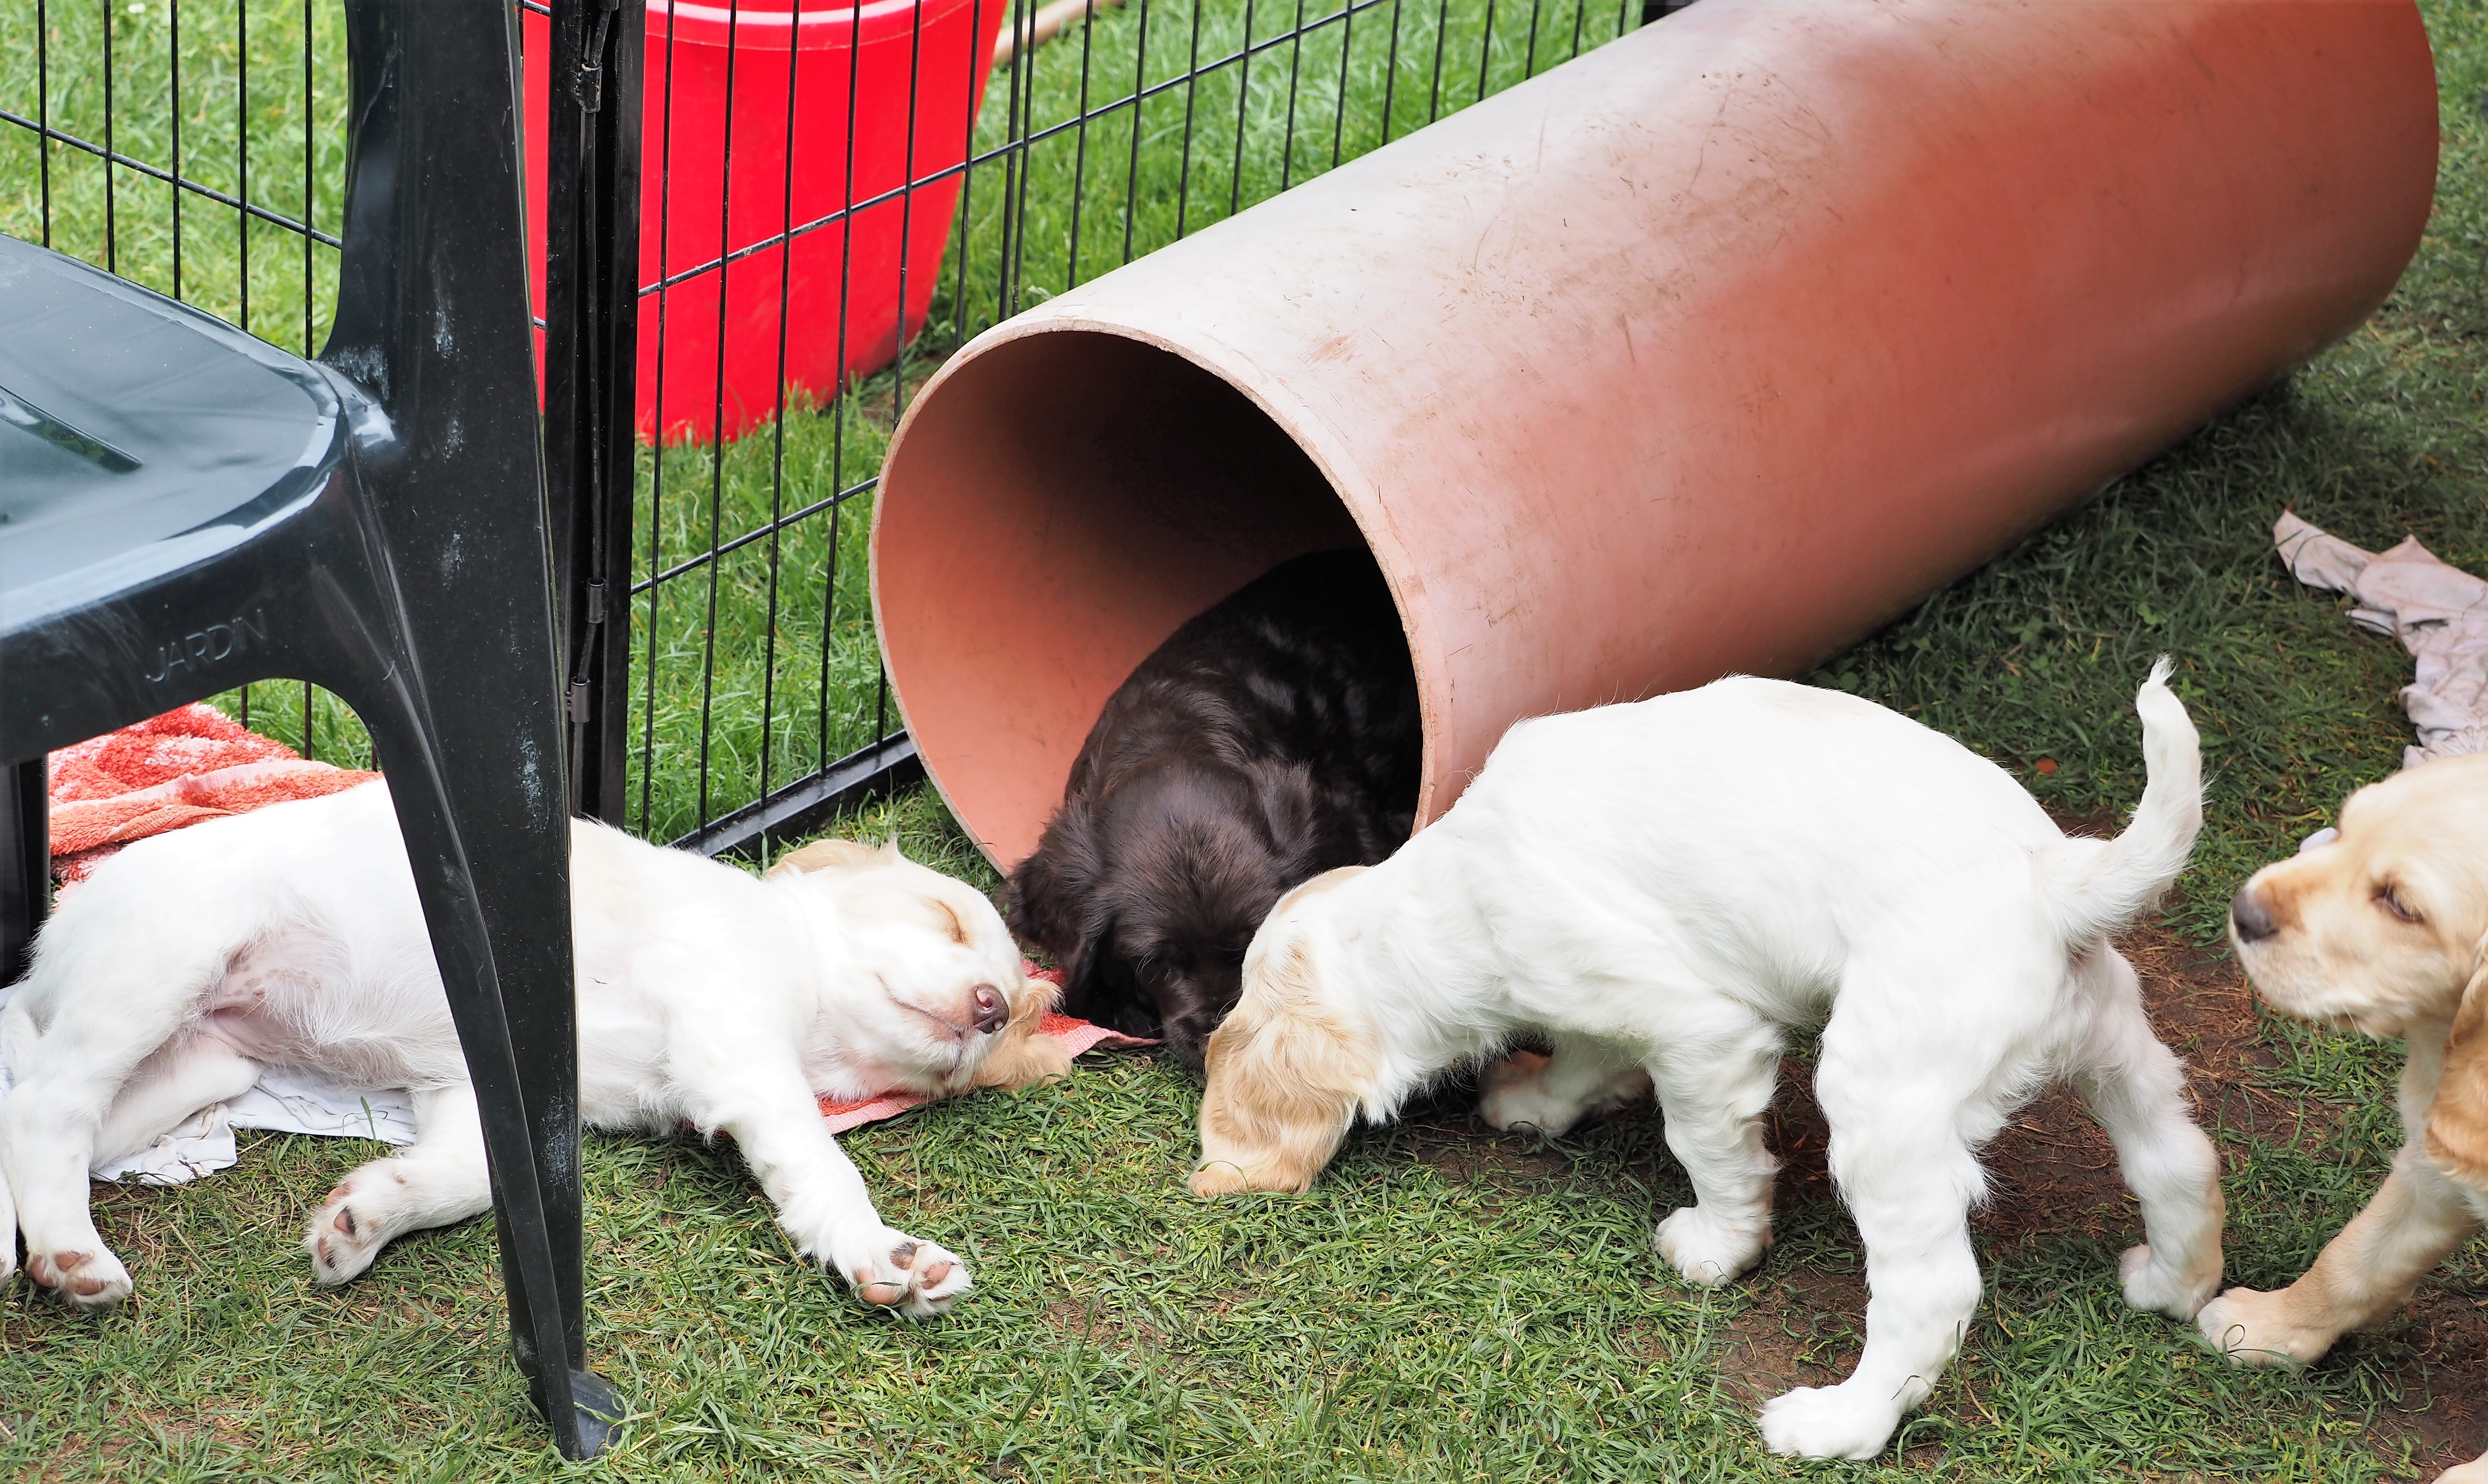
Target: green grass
x=1443, y=1305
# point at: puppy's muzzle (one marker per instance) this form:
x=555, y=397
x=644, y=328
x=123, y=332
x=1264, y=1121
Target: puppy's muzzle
x=2249, y=918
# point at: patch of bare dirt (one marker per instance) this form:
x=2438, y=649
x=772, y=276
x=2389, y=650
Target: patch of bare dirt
x=1103, y=1326
x=2436, y=1354
x=1442, y=1132
x=1804, y=1329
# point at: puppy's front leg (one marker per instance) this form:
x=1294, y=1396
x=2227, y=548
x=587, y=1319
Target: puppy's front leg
x=441, y=1179
x=2361, y=1277
x=821, y=1200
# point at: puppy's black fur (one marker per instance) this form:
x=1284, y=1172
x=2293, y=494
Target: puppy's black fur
x=1271, y=739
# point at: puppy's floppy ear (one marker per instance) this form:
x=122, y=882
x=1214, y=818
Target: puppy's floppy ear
x=1287, y=1073
x=2457, y=1118
x=831, y=856
x=1289, y=803
x=1050, y=899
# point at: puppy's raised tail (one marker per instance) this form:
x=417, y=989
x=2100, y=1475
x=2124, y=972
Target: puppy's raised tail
x=2100, y=886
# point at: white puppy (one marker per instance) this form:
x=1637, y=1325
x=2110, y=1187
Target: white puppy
x=291, y=937
x=1667, y=888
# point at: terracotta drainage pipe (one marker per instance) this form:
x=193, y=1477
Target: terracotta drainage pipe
x=1709, y=350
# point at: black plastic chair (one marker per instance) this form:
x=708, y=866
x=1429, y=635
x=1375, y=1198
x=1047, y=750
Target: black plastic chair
x=184, y=508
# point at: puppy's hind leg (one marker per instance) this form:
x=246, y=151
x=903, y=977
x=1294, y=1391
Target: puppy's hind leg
x=1713, y=1089
x=2136, y=1087
x=1551, y=1093
x=170, y=1087
x=1900, y=1156
x=51, y=1124
x=441, y=1179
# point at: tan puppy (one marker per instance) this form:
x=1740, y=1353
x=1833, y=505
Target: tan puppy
x=2384, y=928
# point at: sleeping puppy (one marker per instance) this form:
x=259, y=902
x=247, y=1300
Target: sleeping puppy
x=291, y=937
x=1272, y=738
x=1664, y=890
x=2385, y=930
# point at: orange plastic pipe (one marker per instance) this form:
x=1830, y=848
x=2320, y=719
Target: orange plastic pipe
x=1709, y=350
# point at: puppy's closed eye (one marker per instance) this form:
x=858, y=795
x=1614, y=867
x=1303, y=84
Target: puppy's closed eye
x=2391, y=898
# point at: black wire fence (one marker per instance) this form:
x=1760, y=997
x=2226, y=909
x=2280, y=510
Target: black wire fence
x=764, y=223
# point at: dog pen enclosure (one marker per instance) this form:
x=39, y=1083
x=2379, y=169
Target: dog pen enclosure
x=738, y=296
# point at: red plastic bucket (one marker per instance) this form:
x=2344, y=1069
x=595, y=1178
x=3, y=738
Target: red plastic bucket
x=714, y=237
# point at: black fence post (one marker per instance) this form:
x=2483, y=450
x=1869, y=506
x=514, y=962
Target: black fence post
x=1660, y=10
x=591, y=302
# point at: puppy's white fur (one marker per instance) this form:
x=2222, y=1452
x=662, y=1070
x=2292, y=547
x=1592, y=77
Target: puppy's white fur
x=2383, y=929
x=1665, y=888
x=292, y=937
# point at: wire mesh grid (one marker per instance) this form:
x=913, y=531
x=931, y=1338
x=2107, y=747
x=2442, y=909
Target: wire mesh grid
x=804, y=265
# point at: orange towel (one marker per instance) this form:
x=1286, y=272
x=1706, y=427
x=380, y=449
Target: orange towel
x=173, y=769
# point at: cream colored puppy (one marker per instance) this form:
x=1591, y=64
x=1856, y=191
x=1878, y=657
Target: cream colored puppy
x=2383, y=929
x=291, y=937
x=1663, y=891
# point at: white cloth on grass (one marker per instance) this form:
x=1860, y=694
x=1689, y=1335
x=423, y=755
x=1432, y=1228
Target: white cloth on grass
x=2439, y=612
x=288, y=1101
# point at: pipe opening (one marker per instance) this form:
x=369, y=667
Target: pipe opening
x=1059, y=505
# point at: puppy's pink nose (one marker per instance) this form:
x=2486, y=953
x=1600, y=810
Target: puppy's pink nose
x=991, y=1013
x=2249, y=918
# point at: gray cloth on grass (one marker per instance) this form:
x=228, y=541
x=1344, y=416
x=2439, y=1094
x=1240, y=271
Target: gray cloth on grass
x=2439, y=612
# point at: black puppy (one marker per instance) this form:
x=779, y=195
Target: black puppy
x=1271, y=739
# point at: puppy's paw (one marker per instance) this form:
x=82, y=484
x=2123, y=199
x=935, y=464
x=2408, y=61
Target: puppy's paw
x=1219, y=1178
x=2155, y=1288
x=348, y=1232
x=1708, y=1251
x=2254, y=1329
x=1516, y=1097
x=89, y=1280
x=1828, y=1422
x=2474, y=1472
x=893, y=1270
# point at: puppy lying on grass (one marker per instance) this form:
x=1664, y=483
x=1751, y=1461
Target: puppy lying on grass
x=1268, y=740
x=1663, y=890
x=2383, y=929
x=291, y=937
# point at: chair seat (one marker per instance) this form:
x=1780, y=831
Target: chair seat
x=138, y=435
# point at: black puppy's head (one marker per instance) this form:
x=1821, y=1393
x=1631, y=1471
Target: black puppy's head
x=1150, y=895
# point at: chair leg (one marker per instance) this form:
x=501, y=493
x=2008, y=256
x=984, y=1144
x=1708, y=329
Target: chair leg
x=480, y=802
x=26, y=862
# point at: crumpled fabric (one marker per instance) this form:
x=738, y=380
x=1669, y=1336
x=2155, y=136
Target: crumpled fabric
x=2437, y=611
